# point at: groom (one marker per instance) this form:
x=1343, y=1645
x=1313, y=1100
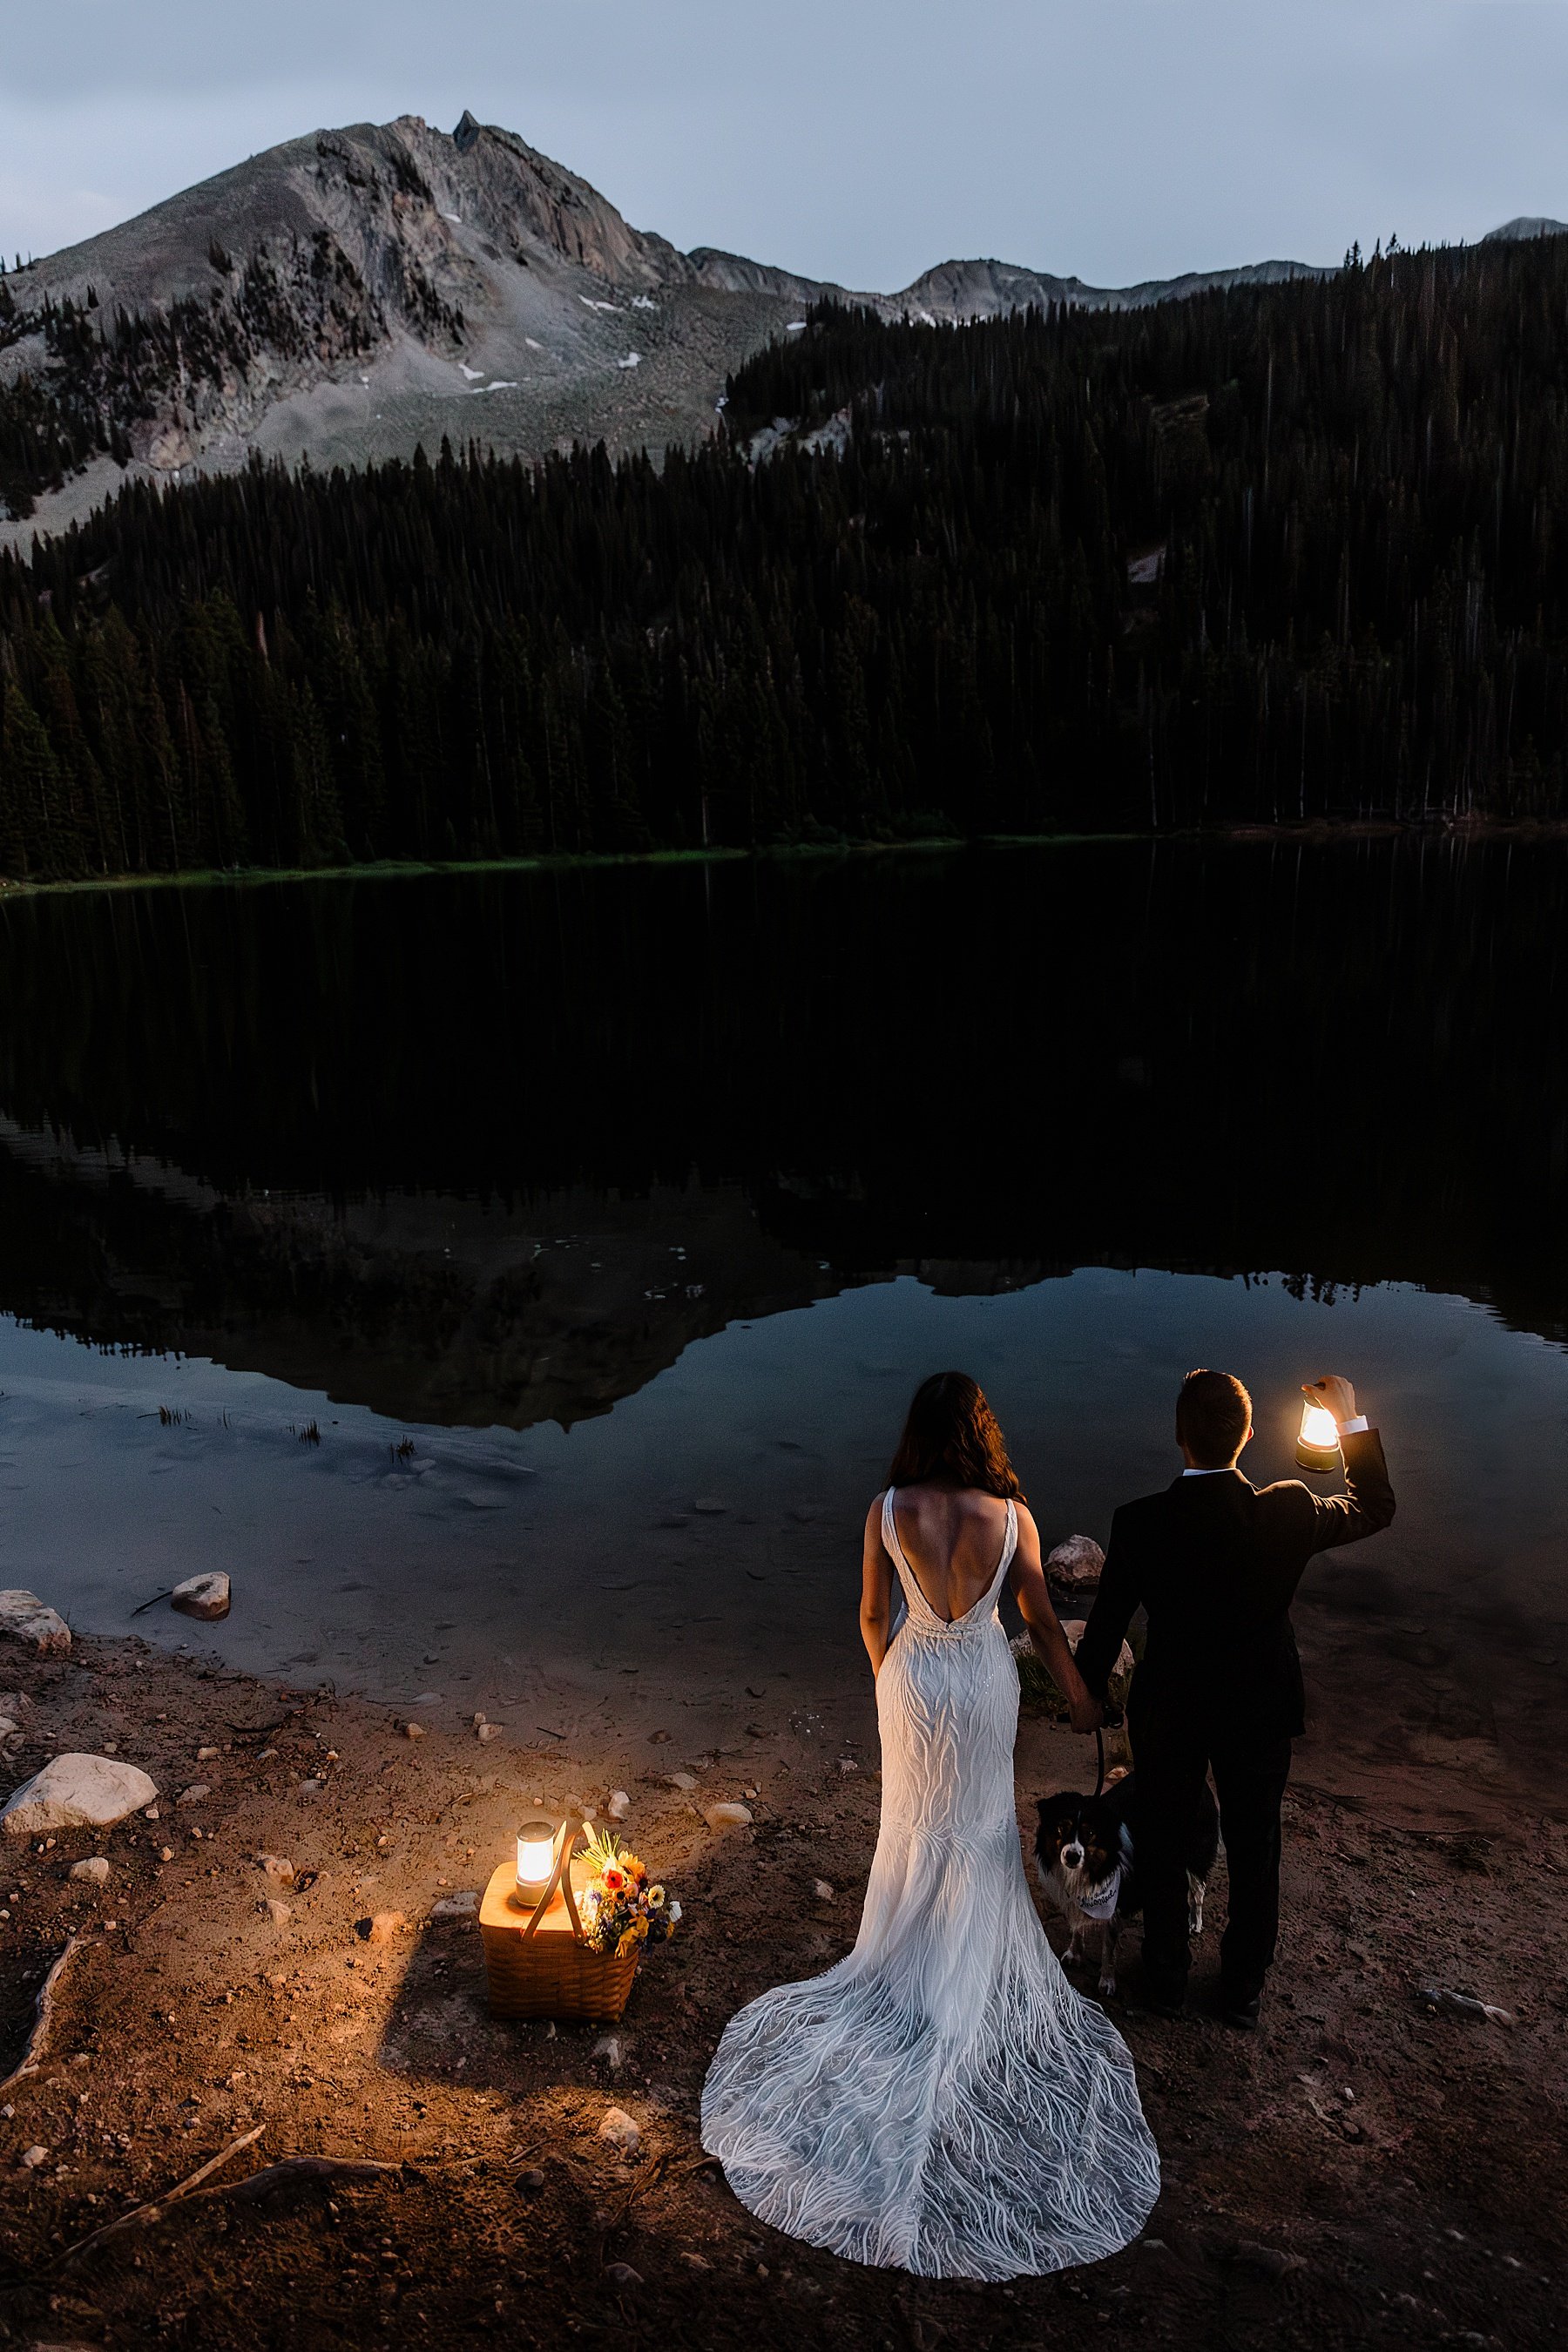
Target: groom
x=1215, y=1562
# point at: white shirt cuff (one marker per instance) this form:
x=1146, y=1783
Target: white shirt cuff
x=1354, y=1428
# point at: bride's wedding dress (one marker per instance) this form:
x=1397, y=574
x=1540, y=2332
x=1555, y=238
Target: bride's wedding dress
x=942, y=2101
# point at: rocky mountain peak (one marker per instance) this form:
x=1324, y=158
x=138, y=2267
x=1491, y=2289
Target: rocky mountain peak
x=353, y=294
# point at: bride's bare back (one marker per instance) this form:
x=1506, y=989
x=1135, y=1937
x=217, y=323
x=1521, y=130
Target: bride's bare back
x=952, y=1539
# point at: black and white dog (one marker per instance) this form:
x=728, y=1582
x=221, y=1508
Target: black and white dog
x=1086, y=1852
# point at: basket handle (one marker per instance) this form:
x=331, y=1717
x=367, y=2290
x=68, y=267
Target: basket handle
x=560, y=1876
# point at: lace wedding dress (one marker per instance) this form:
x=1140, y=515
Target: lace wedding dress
x=942, y=2101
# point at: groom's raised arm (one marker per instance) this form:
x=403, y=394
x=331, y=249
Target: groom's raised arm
x=1367, y=1504
x=1119, y=1596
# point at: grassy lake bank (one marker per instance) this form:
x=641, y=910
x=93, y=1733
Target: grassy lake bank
x=1317, y=834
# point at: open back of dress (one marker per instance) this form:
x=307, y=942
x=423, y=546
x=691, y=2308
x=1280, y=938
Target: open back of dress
x=942, y=2101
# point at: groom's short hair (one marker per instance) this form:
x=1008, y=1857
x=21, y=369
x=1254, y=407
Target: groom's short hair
x=1214, y=1413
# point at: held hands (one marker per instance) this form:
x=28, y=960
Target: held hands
x=1334, y=1393
x=1085, y=1713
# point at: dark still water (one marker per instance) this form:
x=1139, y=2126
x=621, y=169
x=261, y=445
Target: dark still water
x=621, y=1192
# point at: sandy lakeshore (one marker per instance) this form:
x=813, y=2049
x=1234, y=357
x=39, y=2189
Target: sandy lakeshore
x=1364, y=2171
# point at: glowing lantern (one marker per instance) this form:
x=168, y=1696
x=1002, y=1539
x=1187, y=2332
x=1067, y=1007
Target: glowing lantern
x=1318, y=1442
x=535, y=1859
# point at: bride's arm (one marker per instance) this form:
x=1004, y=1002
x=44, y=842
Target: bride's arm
x=876, y=1589
x=1033, y=1596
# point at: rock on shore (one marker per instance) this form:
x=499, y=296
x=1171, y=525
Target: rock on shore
x=207, y=1597
x=25, y=1618
x=1076, y=1563
x=75, y=1792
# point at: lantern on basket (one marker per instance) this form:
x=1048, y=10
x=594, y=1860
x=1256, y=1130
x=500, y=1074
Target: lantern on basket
x=1318, y=1439
x=535, y=1860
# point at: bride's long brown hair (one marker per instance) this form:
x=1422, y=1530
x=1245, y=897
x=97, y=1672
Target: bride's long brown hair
x=952, y=1433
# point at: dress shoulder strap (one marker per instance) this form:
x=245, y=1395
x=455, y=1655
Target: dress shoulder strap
x=1009, y=1546
x=914, y=1598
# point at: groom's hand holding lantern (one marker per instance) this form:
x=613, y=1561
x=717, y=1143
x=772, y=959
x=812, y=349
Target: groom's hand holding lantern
x=1336, y=1396
x=1328, y=1415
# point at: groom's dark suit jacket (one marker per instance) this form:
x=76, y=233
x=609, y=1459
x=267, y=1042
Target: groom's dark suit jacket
x=1215, y=1562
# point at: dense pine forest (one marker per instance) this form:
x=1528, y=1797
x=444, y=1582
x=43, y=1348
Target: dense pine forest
x=1268, y=555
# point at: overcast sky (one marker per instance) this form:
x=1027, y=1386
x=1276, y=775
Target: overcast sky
x=858, y=140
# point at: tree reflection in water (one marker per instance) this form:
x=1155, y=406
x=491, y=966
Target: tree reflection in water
x=495, y=1147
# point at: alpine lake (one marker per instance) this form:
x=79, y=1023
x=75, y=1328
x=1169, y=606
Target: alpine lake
x=516, y=1281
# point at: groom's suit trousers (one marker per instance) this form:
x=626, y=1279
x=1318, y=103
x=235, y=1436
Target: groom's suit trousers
x=1249, y=1776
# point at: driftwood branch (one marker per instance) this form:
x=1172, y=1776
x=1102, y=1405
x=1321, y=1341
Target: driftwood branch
x=150, y=2211
x=257, y=2184
x=644, y=2181
x=44, y=2017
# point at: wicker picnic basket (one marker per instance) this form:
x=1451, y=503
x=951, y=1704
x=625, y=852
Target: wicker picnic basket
x=538, y=1962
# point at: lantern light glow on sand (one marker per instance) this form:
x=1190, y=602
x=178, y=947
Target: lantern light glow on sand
x=1318, y=1442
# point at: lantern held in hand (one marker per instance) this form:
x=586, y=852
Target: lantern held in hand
x=1318, y=1440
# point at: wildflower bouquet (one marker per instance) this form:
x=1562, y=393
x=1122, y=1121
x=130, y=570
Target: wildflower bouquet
x=621, y=1909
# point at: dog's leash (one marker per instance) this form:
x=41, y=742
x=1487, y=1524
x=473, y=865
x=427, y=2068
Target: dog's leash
x=1109, y=1723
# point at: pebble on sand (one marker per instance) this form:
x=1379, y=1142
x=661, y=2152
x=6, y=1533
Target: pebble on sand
x=619, y=2128
x=279, y=1913
x=727, y=1816
x=381, y=1928
x=619, y=1805
x=96, y=1869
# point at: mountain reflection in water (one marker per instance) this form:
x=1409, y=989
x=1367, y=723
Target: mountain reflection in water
x=495, y=1148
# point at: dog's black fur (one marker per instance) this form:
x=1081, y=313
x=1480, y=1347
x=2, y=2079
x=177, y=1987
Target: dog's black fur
x=1080, y=1843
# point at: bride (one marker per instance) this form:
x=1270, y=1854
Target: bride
x=942, y=2101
